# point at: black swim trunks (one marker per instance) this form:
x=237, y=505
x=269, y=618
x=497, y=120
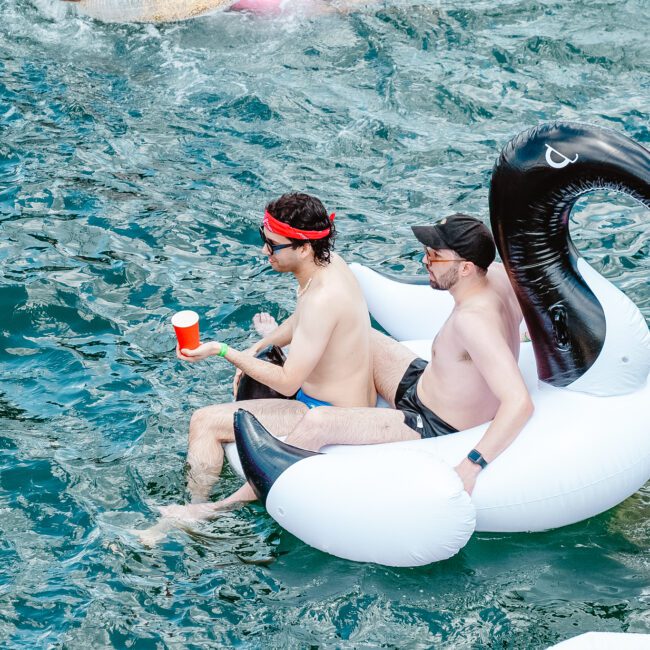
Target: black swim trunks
x=416, y=415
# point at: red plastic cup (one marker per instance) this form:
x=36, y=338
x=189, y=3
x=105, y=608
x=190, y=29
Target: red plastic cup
x=186, y=326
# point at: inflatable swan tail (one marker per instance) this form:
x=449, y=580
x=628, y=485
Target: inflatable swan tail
x=250, y=388
x=574, y=316
x=262, y=456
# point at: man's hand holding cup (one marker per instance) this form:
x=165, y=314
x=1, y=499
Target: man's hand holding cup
x=203, y=351
x=189, y=347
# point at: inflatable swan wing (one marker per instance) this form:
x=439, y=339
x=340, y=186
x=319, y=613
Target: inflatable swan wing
x=587, y=446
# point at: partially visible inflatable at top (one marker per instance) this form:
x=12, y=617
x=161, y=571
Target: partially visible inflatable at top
x=587, y=446
x=167, y=11
x=148, y=11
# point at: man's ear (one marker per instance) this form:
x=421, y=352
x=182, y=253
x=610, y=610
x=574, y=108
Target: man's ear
x=306, y=251
x=466, y=267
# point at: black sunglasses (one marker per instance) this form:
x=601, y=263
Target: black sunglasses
x=274, y=247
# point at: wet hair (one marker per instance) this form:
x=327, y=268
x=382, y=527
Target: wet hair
x=305, y=212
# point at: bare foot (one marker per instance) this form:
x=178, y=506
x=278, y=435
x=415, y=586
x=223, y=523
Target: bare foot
x=199, y=511
x=264, y=323
x=157, y=532
x=175, y=517
x=190, y=512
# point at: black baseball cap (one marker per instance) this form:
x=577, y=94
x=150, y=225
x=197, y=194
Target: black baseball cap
x=465, y=235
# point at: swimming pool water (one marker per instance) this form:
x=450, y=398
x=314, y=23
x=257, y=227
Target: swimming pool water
x=135, y=162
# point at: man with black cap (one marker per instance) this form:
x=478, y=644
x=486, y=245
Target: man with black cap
x=473, y=376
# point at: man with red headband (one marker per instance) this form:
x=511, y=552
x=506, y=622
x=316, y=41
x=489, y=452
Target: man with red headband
x=330, y=359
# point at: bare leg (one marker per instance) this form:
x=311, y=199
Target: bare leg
x=390, y=360
x=325, y=425
x=319, y=427
x=329, y=425
x=174, y=516
x=264, y=323
x=212, y=426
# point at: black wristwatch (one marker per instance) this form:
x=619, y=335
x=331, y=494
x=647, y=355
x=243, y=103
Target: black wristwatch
x=476, y=458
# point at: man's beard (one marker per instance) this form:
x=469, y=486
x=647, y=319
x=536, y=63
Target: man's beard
x=445, y=282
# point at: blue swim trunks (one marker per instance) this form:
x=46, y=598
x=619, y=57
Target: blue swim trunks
x=308, y=401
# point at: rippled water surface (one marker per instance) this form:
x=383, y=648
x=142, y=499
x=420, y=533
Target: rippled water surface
x=135, y=162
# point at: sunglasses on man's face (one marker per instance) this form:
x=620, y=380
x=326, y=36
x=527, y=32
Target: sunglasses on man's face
x=274, y=248
x=432, y=257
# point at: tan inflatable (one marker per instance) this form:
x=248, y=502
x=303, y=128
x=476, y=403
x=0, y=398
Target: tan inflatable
x=148, y=11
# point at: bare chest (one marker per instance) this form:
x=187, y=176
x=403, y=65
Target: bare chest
x=446, y=349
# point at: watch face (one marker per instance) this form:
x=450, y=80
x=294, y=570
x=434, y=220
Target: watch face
x=476, y=458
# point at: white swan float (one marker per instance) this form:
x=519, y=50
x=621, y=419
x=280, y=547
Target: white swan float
x=587, y=446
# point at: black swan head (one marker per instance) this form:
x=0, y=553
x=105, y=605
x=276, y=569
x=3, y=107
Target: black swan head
x=586, y=334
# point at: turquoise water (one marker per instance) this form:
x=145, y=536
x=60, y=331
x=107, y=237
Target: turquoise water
x=135, y=162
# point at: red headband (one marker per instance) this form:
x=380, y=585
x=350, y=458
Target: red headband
x=285, y=230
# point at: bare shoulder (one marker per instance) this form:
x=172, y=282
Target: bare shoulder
x=324, y=297
x=469, y=317
x=498, y=278
x=317, y=298
x=500, y=282
x=339, y=266
x=497, y=268
x=480, y=315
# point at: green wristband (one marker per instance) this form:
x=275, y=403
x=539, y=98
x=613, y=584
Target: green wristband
x=223, y=350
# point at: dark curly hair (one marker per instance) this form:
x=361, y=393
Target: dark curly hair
x=306, y=213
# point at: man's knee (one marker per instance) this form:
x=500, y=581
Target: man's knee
x=311, y=431
x=210, y=423
x=318, y=418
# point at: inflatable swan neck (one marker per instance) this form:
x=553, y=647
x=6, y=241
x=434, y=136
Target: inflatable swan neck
x=263, y=457
x=536, y=181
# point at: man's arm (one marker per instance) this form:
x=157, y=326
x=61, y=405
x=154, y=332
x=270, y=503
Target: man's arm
x=311, y=335
x=494, y=360
x=280, y=336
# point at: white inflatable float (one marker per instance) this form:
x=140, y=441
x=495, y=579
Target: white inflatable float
x=605, y=641
x=587, y=446
x=148, y=11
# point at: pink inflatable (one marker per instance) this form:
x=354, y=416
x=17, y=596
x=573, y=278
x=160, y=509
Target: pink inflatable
x=259, y=7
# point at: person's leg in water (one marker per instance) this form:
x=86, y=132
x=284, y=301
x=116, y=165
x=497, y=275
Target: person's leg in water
x=334, y=425
x=210, y=429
